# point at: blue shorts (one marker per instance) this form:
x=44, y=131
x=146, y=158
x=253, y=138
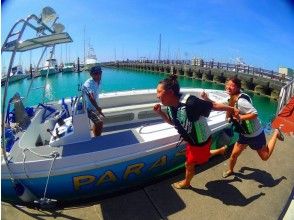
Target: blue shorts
x=255, y=143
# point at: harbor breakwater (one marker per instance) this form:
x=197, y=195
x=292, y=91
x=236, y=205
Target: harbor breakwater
x=253, y=79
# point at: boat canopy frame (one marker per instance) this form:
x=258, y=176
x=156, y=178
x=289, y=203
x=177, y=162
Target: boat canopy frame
x=46, y=37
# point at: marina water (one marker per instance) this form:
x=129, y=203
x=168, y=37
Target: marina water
x=64, y=85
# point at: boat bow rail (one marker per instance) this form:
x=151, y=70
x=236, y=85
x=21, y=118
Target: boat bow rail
x=286, y=93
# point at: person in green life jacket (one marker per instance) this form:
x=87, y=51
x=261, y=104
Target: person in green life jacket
x=248, y=126
x=190, y=119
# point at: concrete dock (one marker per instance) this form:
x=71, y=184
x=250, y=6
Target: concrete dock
x=264, y=190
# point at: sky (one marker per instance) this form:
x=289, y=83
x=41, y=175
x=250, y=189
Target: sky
x=261, y=32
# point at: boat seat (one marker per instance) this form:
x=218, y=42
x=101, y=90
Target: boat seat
x=100, y=143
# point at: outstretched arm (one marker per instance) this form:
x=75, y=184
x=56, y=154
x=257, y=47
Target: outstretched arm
x=220, y=106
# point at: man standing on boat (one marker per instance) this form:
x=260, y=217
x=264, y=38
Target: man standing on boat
x=90, y=90
x=248, y=126
x=190, y=119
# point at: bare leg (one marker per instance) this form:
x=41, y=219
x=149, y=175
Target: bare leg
x=267, y=150
x=190, y=172
x=237, y=150
x=97, y=129
x=218, y=151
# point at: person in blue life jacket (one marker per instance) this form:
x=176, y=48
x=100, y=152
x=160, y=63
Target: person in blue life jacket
x=248, y=125
x=90, y=91
x=190, y=119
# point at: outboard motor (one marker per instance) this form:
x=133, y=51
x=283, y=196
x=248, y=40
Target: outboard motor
x=21, y=116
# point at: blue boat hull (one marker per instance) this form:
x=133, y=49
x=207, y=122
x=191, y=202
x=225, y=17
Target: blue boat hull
x=101, y=181
x=105, y=180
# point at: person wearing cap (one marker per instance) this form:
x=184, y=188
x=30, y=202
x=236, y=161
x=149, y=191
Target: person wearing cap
x=90, y=90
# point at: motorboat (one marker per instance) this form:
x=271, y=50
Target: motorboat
x=91, y=59
x=49, y=152
x=16, y=74
x=68, y=68
x=50, y=67
x=56, y=146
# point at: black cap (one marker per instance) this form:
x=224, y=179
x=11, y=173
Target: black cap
x=96, y=69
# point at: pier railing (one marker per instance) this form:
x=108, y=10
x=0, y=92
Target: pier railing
x=238, y=68
x=286, y=93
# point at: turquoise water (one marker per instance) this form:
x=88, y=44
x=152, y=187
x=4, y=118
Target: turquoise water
x=66, y=85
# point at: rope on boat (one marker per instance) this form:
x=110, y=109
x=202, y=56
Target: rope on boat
x=43, y=202
x=56, y=154
x=53, y=155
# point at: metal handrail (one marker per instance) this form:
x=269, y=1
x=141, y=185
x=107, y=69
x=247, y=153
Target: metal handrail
x=286, y=93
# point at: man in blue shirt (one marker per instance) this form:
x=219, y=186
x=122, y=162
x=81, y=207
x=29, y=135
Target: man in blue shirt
x=91, y=95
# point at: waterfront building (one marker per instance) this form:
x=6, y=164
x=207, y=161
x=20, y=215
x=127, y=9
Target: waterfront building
x=286, y=72
x=197, y=62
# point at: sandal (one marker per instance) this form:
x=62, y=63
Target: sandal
x=227, y=173
x=178, y=185
x=280, y=135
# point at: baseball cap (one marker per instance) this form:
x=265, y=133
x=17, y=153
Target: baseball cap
x=96, y=69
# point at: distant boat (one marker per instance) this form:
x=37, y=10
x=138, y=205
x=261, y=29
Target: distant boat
x=91, y=59
x=68, y=68
x=15, y=75
x=50, y=67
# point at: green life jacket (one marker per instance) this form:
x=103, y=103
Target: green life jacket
x=247, y=125
x=191, y=127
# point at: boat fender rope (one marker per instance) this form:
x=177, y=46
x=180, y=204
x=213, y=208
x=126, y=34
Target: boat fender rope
x=51, y=155
x=55, y=154
x=43, y=202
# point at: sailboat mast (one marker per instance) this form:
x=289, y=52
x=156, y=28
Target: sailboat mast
x=84, y=46
x=159, y=48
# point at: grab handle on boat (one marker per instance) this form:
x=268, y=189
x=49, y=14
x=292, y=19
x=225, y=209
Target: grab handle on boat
x=50, y=132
